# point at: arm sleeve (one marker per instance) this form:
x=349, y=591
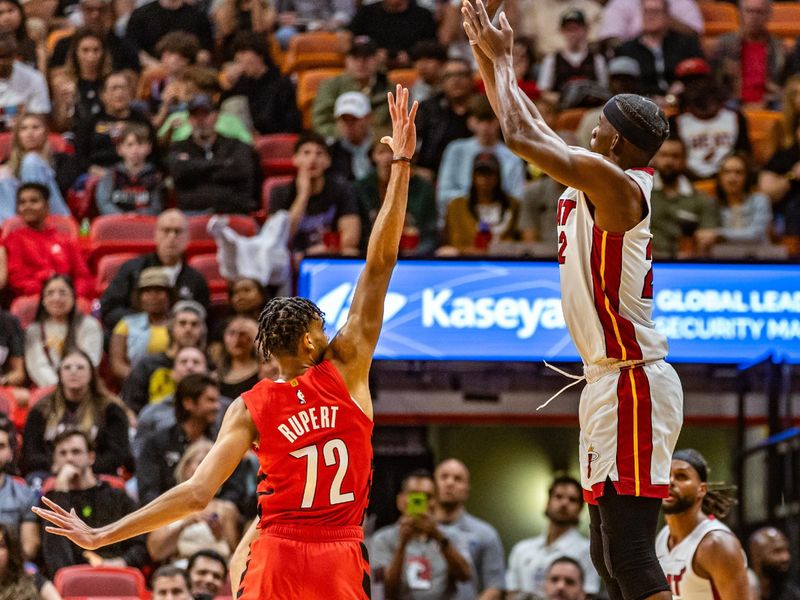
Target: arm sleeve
x=102, y=195
x=113, y=448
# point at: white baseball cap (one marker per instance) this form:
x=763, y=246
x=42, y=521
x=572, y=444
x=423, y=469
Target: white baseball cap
x=355, y=104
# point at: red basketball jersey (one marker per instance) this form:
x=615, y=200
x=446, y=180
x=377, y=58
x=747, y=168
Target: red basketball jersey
x=315, y=450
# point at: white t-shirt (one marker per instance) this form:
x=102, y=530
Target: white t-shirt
x=24, y=91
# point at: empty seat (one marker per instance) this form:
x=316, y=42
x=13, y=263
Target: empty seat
x=275, y=151
x=315, y=49
x=719, y=17
x=764, y=128
x=84, y=580
x=785, y=20
x=308, y=83
x=107, y=268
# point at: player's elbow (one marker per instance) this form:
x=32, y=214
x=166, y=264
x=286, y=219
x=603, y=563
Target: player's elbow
x=197, y=494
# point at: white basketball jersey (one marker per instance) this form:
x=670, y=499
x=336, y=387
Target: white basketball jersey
x=607, y=282
x=677, y=563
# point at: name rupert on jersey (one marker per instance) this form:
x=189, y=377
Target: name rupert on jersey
x=309, y=419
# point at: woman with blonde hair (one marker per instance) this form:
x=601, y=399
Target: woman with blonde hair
x=79, y=400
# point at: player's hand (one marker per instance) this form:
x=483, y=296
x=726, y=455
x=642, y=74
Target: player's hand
x=493, y=42
x=403, y=140
x=406, y=528
x=68, y=525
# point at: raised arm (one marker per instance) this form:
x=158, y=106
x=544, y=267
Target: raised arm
x=238, y=432
x=354, y=345
x=615, y=196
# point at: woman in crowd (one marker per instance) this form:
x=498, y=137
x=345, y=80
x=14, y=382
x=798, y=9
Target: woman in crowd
x=59, y=327
x=232, y=17
x=79, y=400
x=144, y=332
x=246, y=298
x=14, y=394
x=12, y=20
x=486, y=215
x=15, y=583
x=88, y=63
x=215, y=528
x=239, y=367
x=32, y=159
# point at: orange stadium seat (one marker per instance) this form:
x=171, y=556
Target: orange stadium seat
x=405, y=77
x=201, y=242
x=115, y=234
x=308, y=83
x=719, y=17
x=785, y=21
x=107, y=268
x=314, y=60
x=764, y=128
x=313, y=50
x=62, y=223
x=102, y=582
x=275, y=151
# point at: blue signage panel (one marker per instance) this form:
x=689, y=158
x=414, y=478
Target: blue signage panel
x=503, y=310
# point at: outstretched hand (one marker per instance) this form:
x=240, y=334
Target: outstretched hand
x=68, y=525
x=493, y=42
x=403, y=140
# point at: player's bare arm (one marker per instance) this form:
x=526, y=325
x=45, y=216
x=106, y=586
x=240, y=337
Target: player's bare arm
x=352, y=348
x=617, y=199
x=719, y=558
x=238, y=432
x=239, y=558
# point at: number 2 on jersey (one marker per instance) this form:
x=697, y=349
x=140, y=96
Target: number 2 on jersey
x=330, y=451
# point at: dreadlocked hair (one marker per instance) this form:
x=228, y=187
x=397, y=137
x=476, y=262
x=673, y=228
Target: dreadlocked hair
x=282, y=322
x=719, y=499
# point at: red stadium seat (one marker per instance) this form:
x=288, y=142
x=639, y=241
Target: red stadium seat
x=107, y=268
x=62, y=223
x=270, y=183
x=55, y=140
x=201, y=242
x=115, y=234
x=24, y=308
x=208, y=267
x=104, y=582
x=275, y=152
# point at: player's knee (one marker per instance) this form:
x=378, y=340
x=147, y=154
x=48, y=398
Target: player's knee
x=634, y=565
x=597, y=553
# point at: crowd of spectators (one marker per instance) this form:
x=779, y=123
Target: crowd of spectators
x=161, y=109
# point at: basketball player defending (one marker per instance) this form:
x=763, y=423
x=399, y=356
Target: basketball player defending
x=702, y=558
x=313, y=430
x=632, y=406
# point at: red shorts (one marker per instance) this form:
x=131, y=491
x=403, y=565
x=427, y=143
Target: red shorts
x=306, y=563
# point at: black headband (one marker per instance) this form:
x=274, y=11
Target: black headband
x=629, y=129
x=694, y=458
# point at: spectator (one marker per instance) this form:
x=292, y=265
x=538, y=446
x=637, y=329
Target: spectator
x=456, y=174
x=38, y=250
x=791, y=111
x=659, y=48
x=238, y=371
x=171, y=239
x=98, y=15
x=88, y=63
x=77, y=486
x=152, y=21
x=679, y=211
x=780, y=181
x=176, y=52
x=246, y=298
x=539, y=20
x=16, y=498
x=524, y=68
x=32, y=160
x=144, y=332
x=59, y=326
x=13, y=395
x=428, y=57
x=361, y=74
x=537, y=210
x=531, y=558
x=414, y=558
x=564, y=580
x=95, y=137
x=15, y=582
x=233, y=17
x=350, y=149
x=395, y=25
x=13, y=21
x=311, y=15
x=443, y=118
x=623, y=19
x=487, y=214
x=771, y=560
x=212, y=172
x=170, y=583
x=215, y=528
x=321, y=208
x=709, y=130
x=485, y=548
x=79, y=400
x=150, y=381
x=22, y=88
x=745, y=213
x=270, y=95
x=420, y=233
x=207, y=572
x=750, y=62
x=134, y=184
x=575, y=61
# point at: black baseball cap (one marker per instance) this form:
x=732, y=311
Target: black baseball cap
x=363, y=46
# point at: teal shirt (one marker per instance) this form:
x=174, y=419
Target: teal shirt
x=227, y=124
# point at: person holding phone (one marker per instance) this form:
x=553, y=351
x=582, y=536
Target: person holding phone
x=414, y=558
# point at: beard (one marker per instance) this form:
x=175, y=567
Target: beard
x=669, y=177
x=563, y=521
x=681, y=505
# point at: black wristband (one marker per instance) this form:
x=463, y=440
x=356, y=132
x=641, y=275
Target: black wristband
x=396, y=159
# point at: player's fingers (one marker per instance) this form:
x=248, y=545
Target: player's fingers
x=58, y=531
x=413, y=114
x=386, y=140
x=470, y=31
x=56, y=508
x=55, y=519
x=504, y=24
x=469, y=14
x=483, y=16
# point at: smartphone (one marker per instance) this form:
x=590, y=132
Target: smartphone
x=417, y=504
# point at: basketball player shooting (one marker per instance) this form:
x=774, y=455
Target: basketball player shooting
x=312, y=427
x=632, y=406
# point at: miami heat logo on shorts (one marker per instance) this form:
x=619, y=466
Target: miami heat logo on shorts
x=592, y=456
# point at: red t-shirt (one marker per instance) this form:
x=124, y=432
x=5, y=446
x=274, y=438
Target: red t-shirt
x=754, y=71
x=314, y=453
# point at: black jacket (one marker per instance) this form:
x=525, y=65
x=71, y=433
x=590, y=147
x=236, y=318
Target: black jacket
x=117, y=300
x=676, y=47
x=437, y=126
x=272, y=102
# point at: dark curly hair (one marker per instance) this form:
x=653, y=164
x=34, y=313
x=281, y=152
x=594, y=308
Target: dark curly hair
x=282, y=322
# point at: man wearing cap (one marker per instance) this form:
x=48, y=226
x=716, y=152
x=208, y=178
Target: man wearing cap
x=212, y=172
x=171, y=238
x=395, y=25
x=350, y=149
x=702, y=558
x=575, y=61
x=270, y=95
x=361, y=74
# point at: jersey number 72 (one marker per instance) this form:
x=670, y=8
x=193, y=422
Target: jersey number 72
x=332, y=450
